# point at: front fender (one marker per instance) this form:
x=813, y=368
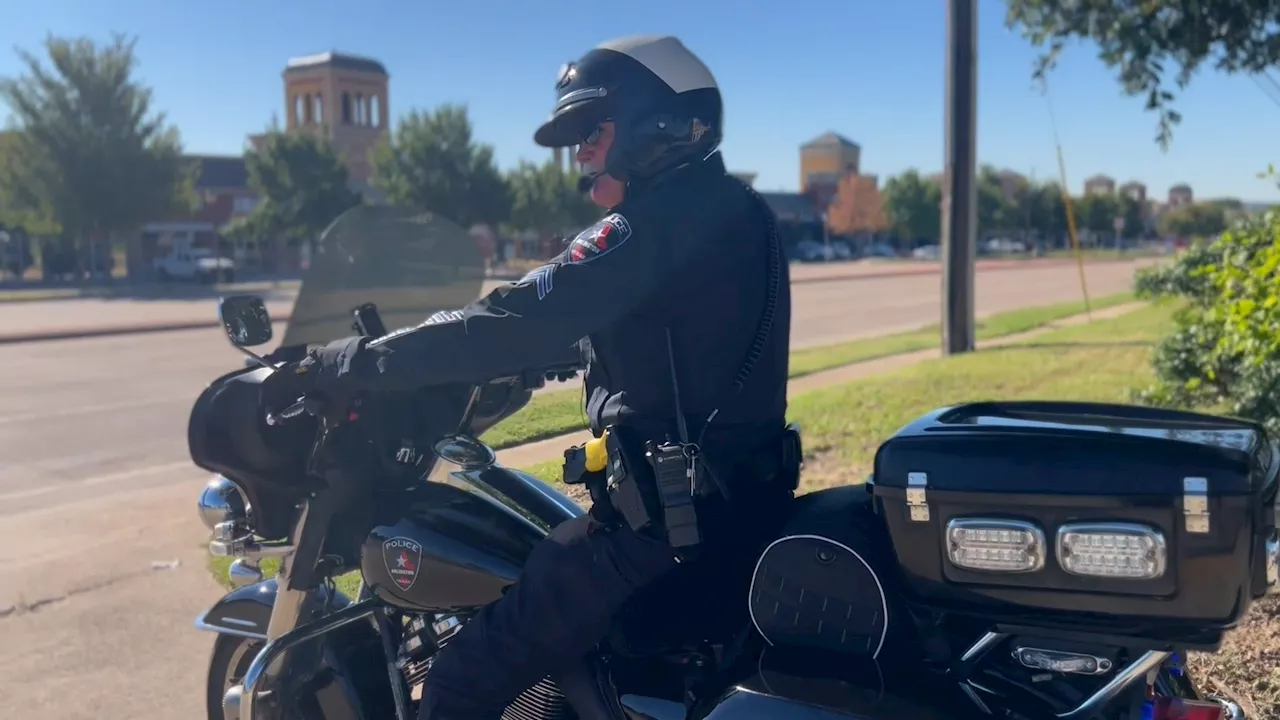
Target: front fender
x=246, y=611
x=347, y=680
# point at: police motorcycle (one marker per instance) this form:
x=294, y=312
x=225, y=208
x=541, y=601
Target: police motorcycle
x=1018, y=560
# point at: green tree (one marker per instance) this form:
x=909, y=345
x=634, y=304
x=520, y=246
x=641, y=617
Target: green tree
x=88, y=150
x=996, y=209
x=1154, y=47
x=1097, y=213
x=433, y=163
x=913, y=206
x=1232, y=209
x=1134, y=215
x=1195, y=220
x=1224, y=349
x=545, y=199
x=1048, y=211
x=301, y=184
x=18, y=207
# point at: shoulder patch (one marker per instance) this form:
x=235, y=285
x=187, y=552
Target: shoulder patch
x=600, y=239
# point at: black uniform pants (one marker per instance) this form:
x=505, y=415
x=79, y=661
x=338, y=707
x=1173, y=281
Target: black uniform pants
x=573, y=584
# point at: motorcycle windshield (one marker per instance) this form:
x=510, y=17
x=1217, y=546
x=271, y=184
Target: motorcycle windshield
x=409, y=264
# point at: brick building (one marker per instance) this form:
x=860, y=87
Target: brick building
x=1180, y=195
x=1100, y=185
x=222, y=194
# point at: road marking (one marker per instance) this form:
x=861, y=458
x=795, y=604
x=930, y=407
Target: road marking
x=99, y=480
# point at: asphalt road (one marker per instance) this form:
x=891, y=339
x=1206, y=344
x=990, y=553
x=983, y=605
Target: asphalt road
x=96, y=486
x=186, y=304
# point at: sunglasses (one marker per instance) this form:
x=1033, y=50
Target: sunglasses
x=593, y=137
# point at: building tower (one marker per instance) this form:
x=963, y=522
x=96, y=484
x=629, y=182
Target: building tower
x=826, y=159
x=342, y=98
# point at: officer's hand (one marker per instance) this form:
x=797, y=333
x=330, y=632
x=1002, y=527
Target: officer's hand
x=336, y=373
x=341, y=368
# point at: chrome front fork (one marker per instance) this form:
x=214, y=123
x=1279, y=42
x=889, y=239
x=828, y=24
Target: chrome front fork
x=286, y=613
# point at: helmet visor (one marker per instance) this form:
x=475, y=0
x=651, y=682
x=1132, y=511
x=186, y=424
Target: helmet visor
x=576, y=116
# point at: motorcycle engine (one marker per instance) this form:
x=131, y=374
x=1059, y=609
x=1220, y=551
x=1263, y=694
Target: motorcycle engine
x=424, y=635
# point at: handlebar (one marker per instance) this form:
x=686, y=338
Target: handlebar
x=529, y=381
x=289, y=413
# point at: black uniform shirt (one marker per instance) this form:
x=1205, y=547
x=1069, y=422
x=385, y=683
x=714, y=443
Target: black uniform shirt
x=689, y=253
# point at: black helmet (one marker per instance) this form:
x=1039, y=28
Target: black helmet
x=662, y=99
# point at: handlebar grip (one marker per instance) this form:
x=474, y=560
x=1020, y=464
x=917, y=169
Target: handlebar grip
x=289, y=413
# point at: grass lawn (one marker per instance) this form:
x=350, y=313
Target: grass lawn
x=555, y=413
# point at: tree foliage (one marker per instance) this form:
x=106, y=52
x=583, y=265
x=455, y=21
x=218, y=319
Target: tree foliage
x=1195, y=220
x=1155, y=47
x=433, y=163
x=545, y=199
x=88, y=150
x=913, y=205
x=18, y=208
x=857, y=207
x=1225, y=346
x=1009, y=203
x=1047, y=210
x=301, y=183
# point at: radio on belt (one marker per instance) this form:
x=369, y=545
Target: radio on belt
x=675, y=467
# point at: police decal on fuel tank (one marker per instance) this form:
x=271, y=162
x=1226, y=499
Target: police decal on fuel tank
x=402, y=556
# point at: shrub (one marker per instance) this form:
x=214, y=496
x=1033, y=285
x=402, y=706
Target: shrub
x=1224, y=350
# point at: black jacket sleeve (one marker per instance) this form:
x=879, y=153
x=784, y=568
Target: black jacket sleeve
x=607, y=271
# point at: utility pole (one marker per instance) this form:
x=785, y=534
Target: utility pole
x=960, y=190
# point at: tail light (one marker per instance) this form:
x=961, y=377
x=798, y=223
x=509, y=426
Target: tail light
x=1166, y=708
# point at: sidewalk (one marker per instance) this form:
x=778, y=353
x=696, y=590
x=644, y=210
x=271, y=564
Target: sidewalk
x=521, y=456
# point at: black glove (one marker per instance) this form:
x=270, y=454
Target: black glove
x=330, y=377
x=343, y=367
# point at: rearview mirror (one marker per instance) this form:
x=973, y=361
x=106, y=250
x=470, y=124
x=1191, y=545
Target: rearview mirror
x=247, y=323
x=246, y=320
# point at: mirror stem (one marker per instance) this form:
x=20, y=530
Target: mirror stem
x=255, y=357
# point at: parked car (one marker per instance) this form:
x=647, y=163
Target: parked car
x=927, y=252
x=843, y=250
x=1004, y=246
x=880, y=250
x=198, y=264
x=811, y=251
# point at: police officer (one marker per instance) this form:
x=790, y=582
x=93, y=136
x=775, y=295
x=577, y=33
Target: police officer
x=681, y=277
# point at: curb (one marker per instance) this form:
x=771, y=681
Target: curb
x=140, y=329
x=137, y=329
x=14, y=295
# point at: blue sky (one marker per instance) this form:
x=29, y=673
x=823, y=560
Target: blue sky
x=871, y=70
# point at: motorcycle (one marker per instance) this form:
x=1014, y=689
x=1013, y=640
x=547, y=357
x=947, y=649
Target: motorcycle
x=401, y=490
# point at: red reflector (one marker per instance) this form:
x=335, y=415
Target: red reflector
x=1178, y=709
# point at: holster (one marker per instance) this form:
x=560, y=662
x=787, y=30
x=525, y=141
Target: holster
x=790, y=457
x=575, y=473
x=631, y=492
x=773, y=466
